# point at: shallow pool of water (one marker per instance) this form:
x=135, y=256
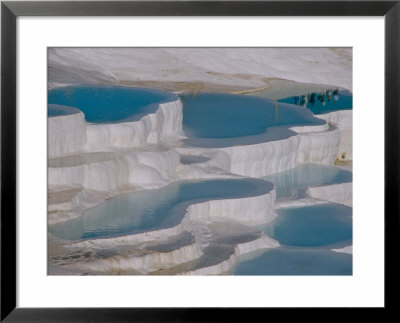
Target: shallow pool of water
x=292, y=261
x=293, y=183
x=312, y=226
x=108, y=104
x=153, y=209
x=223, y=119
x=323, y=102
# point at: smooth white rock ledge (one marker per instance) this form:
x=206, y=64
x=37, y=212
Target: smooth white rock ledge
x=318, y=146
x=342, y=119
x=307, y=201
x=150, y=129
x=144, y=264
x=249, y=210
x=336, y=193
x=71, y=133
x=66, y=134
x=347, y=249
x=144, y=169
x=225, y=66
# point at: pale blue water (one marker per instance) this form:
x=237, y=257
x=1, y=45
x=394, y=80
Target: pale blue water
x=218, y=120
x=55, y=110
x=306, y=235
x=312, y=226
x=293, y=183
x=297, y=261
x=108, y=104
x=323, y=102
x=153, y=209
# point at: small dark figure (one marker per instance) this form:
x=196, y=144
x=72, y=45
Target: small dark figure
x=328, y=95
x=303, y=100
x=336, y=95
x=321, y=97
x=312, y=98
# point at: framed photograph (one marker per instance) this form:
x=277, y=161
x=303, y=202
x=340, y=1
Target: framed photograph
x=186, y=160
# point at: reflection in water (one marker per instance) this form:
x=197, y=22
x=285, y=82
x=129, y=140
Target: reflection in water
x=324, y=101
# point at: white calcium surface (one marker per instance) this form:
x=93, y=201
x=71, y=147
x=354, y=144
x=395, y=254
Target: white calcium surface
x=246, y=67
x=343, y=120
x=336, y=193
x=146, y=169
x=150, y=129
x=120, y=264
x=66, y=134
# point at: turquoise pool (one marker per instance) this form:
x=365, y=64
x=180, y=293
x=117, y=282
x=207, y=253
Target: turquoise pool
x=297, y=262
x=220, y=120
x=306, y=235
x=153, y=209
x=312, y=226
x=109, y=104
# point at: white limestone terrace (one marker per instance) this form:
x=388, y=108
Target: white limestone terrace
x=211, y=249
x=253, y=136
x=98, y=175
x=146, y=117
x=251, y=204
x=175, y=69
x=67, y=130
x=106, y=160
x=103, y=169
x=337, y=193
x=318, y=144
x=102, y=174
x=343, y=120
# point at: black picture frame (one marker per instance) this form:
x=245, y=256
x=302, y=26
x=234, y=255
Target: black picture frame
x=10, y=10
